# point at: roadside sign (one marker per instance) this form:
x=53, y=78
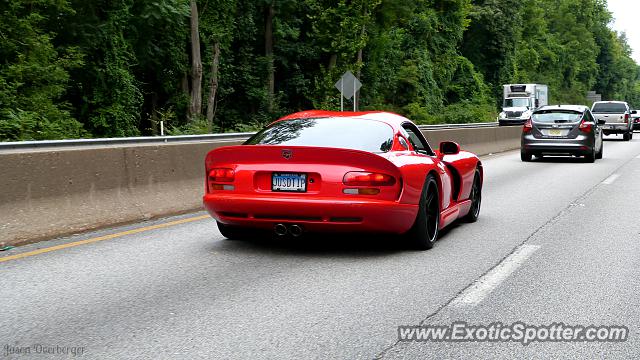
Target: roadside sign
x=348, y=86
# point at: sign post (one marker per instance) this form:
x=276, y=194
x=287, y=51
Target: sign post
x=348, y=86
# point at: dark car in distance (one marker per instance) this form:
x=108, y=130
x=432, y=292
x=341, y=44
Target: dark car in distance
x=636, y=120
x=562, y=130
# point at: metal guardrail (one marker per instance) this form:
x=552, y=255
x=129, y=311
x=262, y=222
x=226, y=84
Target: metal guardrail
x=224, y=137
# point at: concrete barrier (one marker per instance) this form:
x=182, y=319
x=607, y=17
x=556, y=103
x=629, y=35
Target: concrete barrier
x=46, y=193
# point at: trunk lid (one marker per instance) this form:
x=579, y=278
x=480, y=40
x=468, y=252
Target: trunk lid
x=275, y=170
x=556, y=130
x=610, y=118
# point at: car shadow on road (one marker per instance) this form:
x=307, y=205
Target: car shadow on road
x=348, y=245
x=328, y=244
x=559, y=159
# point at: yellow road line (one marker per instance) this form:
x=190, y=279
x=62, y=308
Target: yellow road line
x=101, y=238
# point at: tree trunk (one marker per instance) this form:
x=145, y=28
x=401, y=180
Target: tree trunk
x=268, y=51
x=333, y=61
x=184, y=83
x=195, y=107
x=213, y=87
x=359, y=62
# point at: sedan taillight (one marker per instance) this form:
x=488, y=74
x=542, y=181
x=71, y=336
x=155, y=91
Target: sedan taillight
x=528, y=126
x=586, y=126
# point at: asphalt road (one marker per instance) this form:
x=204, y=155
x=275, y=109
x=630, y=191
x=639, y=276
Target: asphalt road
x=183, y=291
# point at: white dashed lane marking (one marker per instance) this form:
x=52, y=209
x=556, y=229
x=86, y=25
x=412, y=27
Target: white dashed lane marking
x=479, y=290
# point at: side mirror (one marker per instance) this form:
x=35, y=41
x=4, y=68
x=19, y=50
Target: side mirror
x=449, y=148
x=634, y=112
x=602, y=121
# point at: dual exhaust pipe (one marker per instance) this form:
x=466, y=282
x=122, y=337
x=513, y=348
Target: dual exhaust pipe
x=293, y=230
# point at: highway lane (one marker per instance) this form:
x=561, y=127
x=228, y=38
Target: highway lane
x=184, y=291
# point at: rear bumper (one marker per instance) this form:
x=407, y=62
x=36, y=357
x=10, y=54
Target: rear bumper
x=509, y=122
x=615, y=128
x=314, y=214
x=579, y=146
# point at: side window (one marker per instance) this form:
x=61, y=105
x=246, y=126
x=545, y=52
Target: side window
x=416, y=139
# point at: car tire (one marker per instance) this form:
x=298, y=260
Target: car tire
x=233, y=232
x=424, y=232
x=591, y=157
x=631, y=135
x=626, y=137
x=476, y=198
x=525, y=156
x=599, y=154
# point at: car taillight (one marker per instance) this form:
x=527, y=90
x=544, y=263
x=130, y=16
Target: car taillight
x=528, y=126
x=222, y=175
x=586, y=127
x=359, y=178
x=626, y=118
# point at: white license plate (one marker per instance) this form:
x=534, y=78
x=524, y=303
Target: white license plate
x=292, y=182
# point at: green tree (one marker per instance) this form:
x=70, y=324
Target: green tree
x=34, y=74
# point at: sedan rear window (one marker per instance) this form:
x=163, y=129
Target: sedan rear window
x=609, y=108
x=346, y=133
x=556, y=116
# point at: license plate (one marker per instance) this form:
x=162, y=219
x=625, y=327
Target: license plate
x=555, y=132
x=291, y=182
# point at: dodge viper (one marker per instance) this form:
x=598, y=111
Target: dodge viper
x=322, y=171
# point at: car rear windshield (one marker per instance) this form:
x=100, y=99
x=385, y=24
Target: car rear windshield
x=346, y=133
x=556, y=116
x=609, y=108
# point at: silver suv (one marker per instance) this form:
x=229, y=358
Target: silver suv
x=617, y=114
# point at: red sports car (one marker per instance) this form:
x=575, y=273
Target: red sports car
x=321, y=171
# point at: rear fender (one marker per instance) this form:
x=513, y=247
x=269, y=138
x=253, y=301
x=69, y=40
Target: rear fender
x=415, y=169
x=463, y=165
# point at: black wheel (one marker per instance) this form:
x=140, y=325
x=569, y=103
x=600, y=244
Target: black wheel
x=599, y=154
x=233, y=232
x=626, y=136
x=631, y=135
x=476, y=198
x=591, y=157
x=525, y=156
x=424, y=232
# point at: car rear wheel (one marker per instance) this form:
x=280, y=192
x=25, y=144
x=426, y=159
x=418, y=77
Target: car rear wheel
x=476, y=198
x=233, y=232
x=424, y=232
x=601, y=151
x=626, y=137
x=525, y=156
x=591, y=157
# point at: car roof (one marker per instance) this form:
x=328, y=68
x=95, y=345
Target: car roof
x=390, y=118
x=577, y=108
x=610, y=102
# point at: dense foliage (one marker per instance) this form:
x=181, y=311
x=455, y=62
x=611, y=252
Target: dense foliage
x=81, y=68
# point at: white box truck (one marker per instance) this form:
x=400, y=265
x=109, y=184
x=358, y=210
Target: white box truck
x=519, y=101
